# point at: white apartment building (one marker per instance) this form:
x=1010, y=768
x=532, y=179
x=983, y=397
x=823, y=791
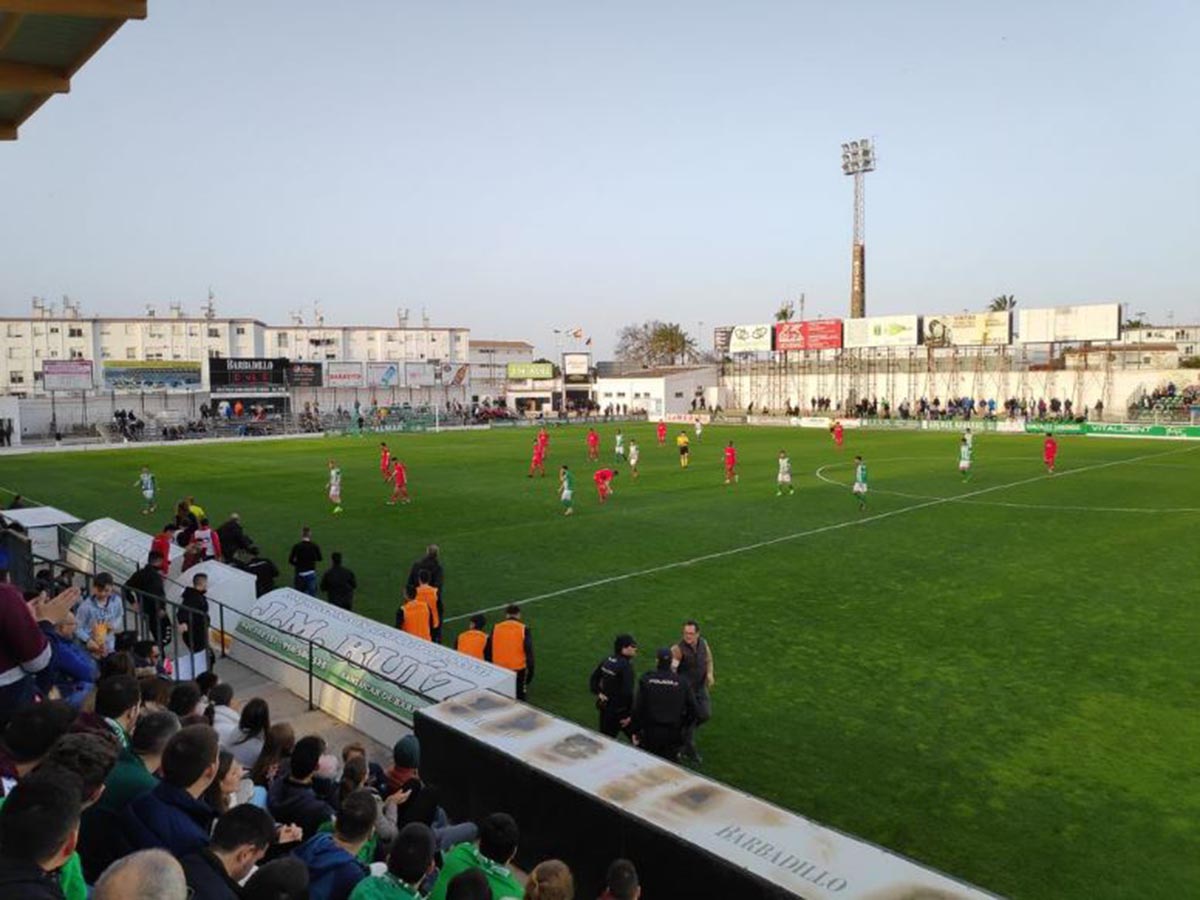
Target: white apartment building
x=489, y=365
x=1185, y=337
x=50, y=333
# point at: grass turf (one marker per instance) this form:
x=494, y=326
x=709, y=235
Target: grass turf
x=1004, y=686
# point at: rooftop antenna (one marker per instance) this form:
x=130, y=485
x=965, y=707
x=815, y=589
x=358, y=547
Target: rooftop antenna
x=402, y=317
x=318, y=317
x=150, y=311
x=424, y=318
x=210, y=308
x=297, y=317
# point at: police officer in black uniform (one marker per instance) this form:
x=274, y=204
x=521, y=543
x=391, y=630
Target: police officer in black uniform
x=665, y=705
x=612, y=682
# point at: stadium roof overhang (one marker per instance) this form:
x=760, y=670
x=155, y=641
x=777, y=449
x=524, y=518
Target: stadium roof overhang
x=43, y=43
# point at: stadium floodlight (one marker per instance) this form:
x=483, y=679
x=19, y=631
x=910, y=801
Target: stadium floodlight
x=858, y=158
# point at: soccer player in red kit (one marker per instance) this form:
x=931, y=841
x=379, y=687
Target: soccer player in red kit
x=838, y=434
x=539, y=458
x=1049, y=452
x=543, y=439
x=662, y=433
x=385, y=462
x=730, y=463
x=399, y=483
x=593, y=444
x=603, y=479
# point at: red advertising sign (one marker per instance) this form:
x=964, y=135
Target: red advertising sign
x=814, y=334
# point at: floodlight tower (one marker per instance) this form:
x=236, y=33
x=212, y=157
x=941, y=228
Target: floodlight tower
x=858, y=158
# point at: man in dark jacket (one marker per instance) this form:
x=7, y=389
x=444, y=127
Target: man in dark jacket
x=292, y=798
x=264, y=571
x=339, y=583
x=303, y=559
x=172, y=815
x=612, y=682
x=39, y=825
x=193, y=615
x=233, y=537
x=239, y=840
x=665, y=706
x=145, y=590
x=431, y=565
x=332, y=859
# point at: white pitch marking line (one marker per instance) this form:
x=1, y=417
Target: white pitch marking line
x=720, y=554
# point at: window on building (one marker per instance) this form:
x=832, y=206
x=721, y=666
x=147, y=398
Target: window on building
x=54, y=329
x=130, y=328
x=193, y=331
x=214, y=332
x=38, y=331
x=214, y=354
x=678, y=395
x=76, y=354
x=131, y=352
x=105, y=353
x=54, y=354
x=177, y=330
x=154, y=355
x=16, y=377
x=37, y=353
x=281, y=340
x=74, y=331
x=241, y=329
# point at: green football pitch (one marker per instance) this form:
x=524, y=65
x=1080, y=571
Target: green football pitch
x=999, y=678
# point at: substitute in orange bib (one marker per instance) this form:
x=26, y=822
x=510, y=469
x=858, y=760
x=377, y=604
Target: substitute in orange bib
x=428, y=595
x=414, y=617
x=472, y=641
x=510, y=646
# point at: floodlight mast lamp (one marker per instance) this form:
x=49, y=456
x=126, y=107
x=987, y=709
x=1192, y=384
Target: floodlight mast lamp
x=858, y=158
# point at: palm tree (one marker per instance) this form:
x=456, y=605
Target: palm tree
x=785, y=312
x=1002, y=303
x=671, y=344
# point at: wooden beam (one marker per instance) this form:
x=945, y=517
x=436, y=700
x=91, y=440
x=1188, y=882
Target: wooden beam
x=9, y=27
x=8, y=131
x=86, y=9
x=26, y=77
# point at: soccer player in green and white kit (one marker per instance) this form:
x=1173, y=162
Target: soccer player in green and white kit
x=335, y=486
x=566, y=482
x=964, y=458
x=620, y=447
x=860, y=482
x=149, y=491
x=784, y=480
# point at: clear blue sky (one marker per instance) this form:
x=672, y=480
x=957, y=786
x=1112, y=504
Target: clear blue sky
x=519, y=166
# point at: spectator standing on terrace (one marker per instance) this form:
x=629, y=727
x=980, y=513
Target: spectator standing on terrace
x=339, y=583
x=193, y=620
x=146, y=591
x=510, y=646
x=100, y=617
x=303, y=559
x=498, y=839
x=162, y=543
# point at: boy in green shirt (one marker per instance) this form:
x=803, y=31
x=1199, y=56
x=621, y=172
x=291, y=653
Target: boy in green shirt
x=409, y=866
x=498, y=837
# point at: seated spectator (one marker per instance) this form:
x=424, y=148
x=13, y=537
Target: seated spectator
x=225, y=715
x=100, y=617
x=621, y=882
x=148, y=875
x=291, y=797
x=550, y=880
x=172, y=815
x=276, y=756
x=281, y=879
x=119, y=662
x=332, y=859
x=186, y=700
x=39, y=826
x=409, y=867
x=409, y=799
x=239, y=841
x=119, y=701
x=206, y=681
x=156, y=694
x=354, y=779
x=72, y=672
x=247, y=741
x=230, y=787
x=469, y=885
x=498, y=837
x=28, y=737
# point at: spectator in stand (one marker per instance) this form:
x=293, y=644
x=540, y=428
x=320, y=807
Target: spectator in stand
x=469, y=885
x=281, y=879
x=28, y=736
x=276, y=756
x=264, y=571
x=410, y=868
x=339, y=583
x=303, y=559
x=148, y=660
x=232, y=538
x=192, y=619
x=186, y=700
x=498, y=838
x=145, y=591
x=333, y=866
x=239, y=841
x=291, y=798
x=119, y=701
x=409, y=799
x=72, y=672
x=172, y=815
x=231, y=787
x=162, y=543
x=39, y=827
x=24, y=649
x=225, y=716
x=208, y=539
x=148, y=875
x=246, y=743
x=431, y=565
x=354, y=778
x=156, y=693
x=510, y=646
x=100, y=617
x=550, y=880
x=621, y=882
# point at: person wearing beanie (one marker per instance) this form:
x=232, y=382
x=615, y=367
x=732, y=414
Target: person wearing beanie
x=408, y=799
x=665, y=706
x=612, y=683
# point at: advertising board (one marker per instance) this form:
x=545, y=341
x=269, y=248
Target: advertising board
x=344, y=374
x=67, y=374
x=577, y=363
x=722, y=335
x=812, y=334
x=1093, y=322
x=536, y=371
x=986, y=329
x=462, y=374
x=151, y=375
x=383, y=374
x=304, y=374
x=882, y=331
x=247, y=374
x=420, y=374
x=751, y=338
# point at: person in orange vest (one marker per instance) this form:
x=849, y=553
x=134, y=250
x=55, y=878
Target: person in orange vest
x=510, y=646
x=428, y=594
x=474, y=639
x=413, y=616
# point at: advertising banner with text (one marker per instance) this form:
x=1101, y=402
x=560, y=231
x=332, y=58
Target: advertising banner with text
x=813, y=334
x=882, y=331
x=151, y=375
x=247, y=375
x=420, y=374
x=344, y=374
x=383, y=374
x=304, y=374
x=535, y=371
x=986, y=329
x=67, y=374
x=751, y=338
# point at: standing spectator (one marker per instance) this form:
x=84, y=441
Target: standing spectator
x=247, y=741
x=339, y=583
x=333, y=867
x=232, y=538
x=172, y=815
x=510, y=646
x=303, y=559
x=39, y=826
x=24, y=649
x=240, y=840
x=100, y=617
x=694, y=661
x=431, y=565
x=147, y=875
x=28, y=737
x=72, y=671
x=498, y=838
x=612, y=682
x=621, y=882
x=409, y=866
x=550, y=880
x=162, y=543
x=146, y=592
x=665, y=706
x=474, y=639
x=292, y=798
x=192, y=618
x=208, y=540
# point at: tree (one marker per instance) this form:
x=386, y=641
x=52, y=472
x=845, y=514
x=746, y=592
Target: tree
x=655, y=343
x=786, y=312
x=1002, y=303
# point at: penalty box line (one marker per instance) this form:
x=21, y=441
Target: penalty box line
x=823, y=529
